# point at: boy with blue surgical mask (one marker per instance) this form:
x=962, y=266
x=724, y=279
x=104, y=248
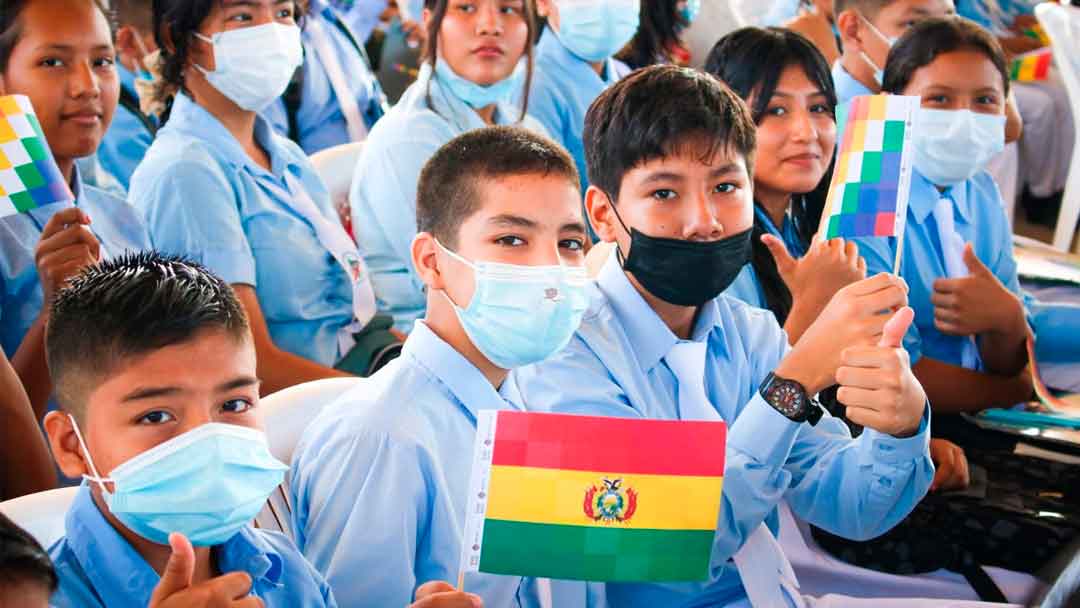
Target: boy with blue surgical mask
x=574, y=64
x=380, y=477
x=670, y=152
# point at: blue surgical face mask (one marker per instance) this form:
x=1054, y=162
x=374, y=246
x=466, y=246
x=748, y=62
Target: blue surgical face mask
x=594, y=30
x=479, y=96
x=690, y=10
x=520, y=315
x=951, y=146
x=253, y=65
x=206, y=484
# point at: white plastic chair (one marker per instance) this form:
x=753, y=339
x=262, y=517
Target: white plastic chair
x=41, y=514
x=286, y=414
x=820, y=573
x=336, y=167
x=1062, y=24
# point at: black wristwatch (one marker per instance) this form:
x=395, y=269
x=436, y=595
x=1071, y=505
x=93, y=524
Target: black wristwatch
x=790, y=399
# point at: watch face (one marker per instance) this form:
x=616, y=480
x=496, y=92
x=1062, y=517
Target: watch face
x=787, y=397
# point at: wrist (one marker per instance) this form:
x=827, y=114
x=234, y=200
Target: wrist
x=792, y=368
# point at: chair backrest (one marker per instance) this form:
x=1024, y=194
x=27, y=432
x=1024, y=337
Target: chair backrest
x=1062, y=24
x=41, y=514
x=336, y=166
x=287, y=412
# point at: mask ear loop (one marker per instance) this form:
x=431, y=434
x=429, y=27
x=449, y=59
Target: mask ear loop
x=618, y=249
x=96, y=477
x=457, y=257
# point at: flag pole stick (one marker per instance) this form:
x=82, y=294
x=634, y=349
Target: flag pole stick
x=900, y=246
x=461, y=580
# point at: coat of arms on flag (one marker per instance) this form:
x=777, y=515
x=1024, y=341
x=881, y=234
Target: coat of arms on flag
x=591, y=498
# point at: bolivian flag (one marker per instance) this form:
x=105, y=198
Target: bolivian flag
x=1032, y=67
x=588, y=498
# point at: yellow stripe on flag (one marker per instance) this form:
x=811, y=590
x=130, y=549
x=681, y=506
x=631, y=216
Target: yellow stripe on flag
x=1027, y=70
x=558, y=496
x=878, y=104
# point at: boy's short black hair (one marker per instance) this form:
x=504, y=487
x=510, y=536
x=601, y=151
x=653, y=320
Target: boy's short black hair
x=22, y=560
x=137, y=13
x=656, y=112
x=447, y=195
x=868, y=8
x=928, y=39
x=127, y=307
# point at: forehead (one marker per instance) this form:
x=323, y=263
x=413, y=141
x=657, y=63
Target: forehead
x=83, y=23
x=550, y=198
x=918, y=8
x=965, y=69
x=692, y=158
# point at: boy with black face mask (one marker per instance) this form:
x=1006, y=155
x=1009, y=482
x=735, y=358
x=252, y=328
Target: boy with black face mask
x=671, y=187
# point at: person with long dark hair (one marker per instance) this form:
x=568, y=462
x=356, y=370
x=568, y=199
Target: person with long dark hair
x=786, y=83
x=659, y=35
x=479, y=55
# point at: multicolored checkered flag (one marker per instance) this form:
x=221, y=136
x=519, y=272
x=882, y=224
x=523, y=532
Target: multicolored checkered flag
x=29, y=176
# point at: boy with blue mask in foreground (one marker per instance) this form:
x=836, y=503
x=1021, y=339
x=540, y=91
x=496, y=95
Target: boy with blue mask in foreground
x=671, y=186
x=380, y=478
x=155, y=374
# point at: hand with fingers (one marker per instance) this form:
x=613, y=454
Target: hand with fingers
x=877, y=384
x=828, y=266
x=438, y=594
x=66, y=247
x=854, y=317
x=950, y=466
x=175, y=590
x=977, y=303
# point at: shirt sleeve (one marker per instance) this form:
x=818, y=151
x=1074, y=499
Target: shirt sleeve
x=191, y=210
x=366, y=505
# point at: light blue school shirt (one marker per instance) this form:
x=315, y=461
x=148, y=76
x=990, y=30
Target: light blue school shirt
x=614, y=366
x=128, y=138
x=116, y=224
x=746, y=286
x=998, y=22
x=203, y=197
x=320, y=121
x=847, y=87
x=380, y=478
x=979, y=219
x=383, y=194
x=97, y=567
x=363, y=15
x=563, y=88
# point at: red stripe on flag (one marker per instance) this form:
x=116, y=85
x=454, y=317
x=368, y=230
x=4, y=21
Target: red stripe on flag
x=615, y=445
x=1042, y=67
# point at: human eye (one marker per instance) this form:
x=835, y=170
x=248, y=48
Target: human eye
x=664, y=194
x=936, y=99
x=155, y=417
x=285, y=13
x=820, y=108
x=104, y=62
x=572, y=244
x=510, y=241
x=237, y=406
x=512, y=8
x=775, y=111
x=726, y=188
x=465, y=7
x=240, y=17
x=51, y=62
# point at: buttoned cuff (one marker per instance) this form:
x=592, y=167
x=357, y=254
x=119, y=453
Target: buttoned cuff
x=762, y=433
x=880, y=447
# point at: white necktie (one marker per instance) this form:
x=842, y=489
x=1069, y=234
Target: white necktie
x=354, y=119
x=952, y=250
x=760, y=562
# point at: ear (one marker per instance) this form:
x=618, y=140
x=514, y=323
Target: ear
x=601, y=214
x=426, y=261
x=847, y=24
x=65, y=445
x=126, y=46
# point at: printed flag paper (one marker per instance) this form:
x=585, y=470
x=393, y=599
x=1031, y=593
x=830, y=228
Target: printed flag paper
x=872, y=179
x=589, y=498
x=1032, y=67
x=1037, y=32
x=29, y=176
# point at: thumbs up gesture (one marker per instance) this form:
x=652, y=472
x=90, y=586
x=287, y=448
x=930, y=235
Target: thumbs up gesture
x=975, y=304
x=175, y=590
x=877, y=385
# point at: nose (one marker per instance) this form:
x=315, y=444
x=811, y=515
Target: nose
x=802, y=127
x=195, y=420
x=489, y=20
x=702, y=222
x=84, y=82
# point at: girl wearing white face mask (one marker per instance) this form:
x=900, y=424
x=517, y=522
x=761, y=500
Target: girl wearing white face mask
x=967, y=341
x=478, y=57
x=219, y=186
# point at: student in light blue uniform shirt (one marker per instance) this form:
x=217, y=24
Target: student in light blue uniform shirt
x=220, y=186
x=574, y=64
x=967, y=342
x=660, y=341
x=312, y=111
x=189, y=470
x=361, y=15
x=42, y=249
x=379, y=493
x=457, y=90
x=129, y=136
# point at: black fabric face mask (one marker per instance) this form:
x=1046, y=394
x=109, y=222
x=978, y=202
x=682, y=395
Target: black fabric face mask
x=686, y=273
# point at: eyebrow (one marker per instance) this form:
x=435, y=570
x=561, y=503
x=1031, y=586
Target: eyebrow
x=816, y=93
x=507, y=220
x=576, y=227
x=155, y=392
x=68, y=48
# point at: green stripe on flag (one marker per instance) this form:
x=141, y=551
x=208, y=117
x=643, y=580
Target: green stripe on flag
x=595, y=553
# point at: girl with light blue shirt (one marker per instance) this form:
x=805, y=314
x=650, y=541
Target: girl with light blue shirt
x=479, y=55
x=785, y=81
x=59, y=55
x=219, y=186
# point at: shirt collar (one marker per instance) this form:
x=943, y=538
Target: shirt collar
x=925, y=195
x=470, y=387
x=195, y=120
x=652, y=339
x=453, y=108
x=129, y=579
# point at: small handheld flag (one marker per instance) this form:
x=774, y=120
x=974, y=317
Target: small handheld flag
x=1036, y=32
x=29, y=176
x=871, y=183
x=1032, y=67
x=589, y=498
